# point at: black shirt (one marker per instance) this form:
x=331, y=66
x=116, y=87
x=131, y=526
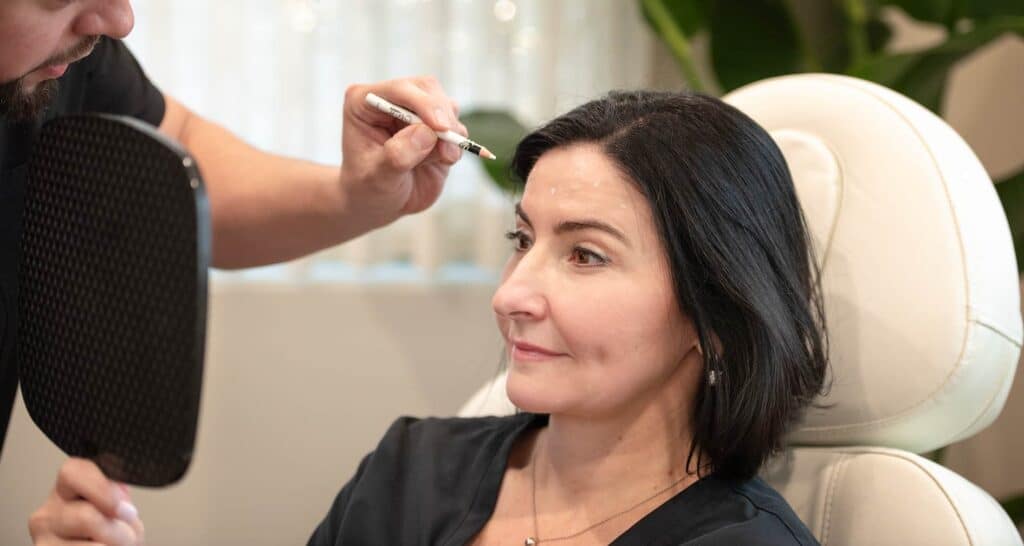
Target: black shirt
x=436, y=482
x=109, y=80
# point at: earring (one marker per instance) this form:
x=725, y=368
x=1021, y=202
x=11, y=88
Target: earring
x=712, y=374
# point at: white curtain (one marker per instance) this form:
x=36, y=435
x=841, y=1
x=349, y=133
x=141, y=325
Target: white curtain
x=275, y=71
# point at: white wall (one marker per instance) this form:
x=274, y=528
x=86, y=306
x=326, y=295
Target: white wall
x=301, y=382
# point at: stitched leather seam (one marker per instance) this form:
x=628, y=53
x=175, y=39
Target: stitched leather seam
x=845, y=81
x=998, y=331
x=926, y=472
x=905, y=414
x=830, y=495
x=995, y=394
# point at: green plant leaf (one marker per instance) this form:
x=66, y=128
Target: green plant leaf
x=500, y=133
x=932, y=11
x=983, y=9
x=823, y=30
x=879, y=34
x=1014, y=507
x=691, y=16
x=672, y=27
x=1011, y=194
x=922, y=75
x=753, y=40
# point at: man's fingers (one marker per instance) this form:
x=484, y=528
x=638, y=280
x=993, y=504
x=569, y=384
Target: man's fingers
x=445, y=152
x=431, y=105
x=409, y=147
x=431, y=85
x=81, y=478
x=427, y=101
x=405, y=153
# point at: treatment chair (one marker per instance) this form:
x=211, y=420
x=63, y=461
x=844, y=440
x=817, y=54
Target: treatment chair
x=922, y=305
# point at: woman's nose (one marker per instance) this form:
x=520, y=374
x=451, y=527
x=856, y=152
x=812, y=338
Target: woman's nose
x=112, y=18
x=521, y=294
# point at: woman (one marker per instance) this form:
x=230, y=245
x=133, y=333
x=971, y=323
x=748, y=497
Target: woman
x=664, y=331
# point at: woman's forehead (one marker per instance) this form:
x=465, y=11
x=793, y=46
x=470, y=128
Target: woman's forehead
x=580, y=178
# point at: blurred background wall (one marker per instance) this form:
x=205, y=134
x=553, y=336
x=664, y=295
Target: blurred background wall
x=309, y=362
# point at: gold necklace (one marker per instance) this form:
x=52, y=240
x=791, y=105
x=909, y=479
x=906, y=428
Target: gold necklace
x=535, y=539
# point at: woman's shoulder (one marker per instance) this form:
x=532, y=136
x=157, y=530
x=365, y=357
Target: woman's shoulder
x=430, y=425
x=436, y=436
x=766, y=520
x=424, y=473
x=718, y=512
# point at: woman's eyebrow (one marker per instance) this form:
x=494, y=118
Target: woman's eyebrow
x=522, y=214
x=577, y=225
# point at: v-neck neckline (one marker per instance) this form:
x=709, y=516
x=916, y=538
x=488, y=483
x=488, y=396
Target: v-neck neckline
x=641, y=533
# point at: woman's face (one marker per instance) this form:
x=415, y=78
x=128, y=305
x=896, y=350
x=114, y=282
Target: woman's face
x=586, y=303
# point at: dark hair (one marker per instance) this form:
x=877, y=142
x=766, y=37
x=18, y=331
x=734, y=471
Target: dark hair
x=742, y=267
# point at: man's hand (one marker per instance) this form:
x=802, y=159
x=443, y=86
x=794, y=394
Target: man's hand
x=268, y=208
x=390, y=169
x=86, y=508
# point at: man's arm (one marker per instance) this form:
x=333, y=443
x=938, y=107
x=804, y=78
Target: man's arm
x=267, y=208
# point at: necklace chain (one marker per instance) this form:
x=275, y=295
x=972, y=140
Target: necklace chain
x=535, y=539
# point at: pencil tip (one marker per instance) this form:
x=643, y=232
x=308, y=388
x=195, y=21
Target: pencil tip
x=487, y=153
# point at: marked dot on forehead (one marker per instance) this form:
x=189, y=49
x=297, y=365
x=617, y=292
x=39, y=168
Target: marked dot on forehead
x=553, y=190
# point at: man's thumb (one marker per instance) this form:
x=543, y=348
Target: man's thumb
x=409, y=147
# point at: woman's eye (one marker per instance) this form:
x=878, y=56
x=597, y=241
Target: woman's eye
x=586, y=257
x=522, y=242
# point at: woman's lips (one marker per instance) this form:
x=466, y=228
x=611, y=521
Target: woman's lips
x=524, y=351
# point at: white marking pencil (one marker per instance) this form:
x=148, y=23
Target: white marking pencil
x=448, y=136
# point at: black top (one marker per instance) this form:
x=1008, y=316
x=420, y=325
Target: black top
x=109, y=80
x=436, y=481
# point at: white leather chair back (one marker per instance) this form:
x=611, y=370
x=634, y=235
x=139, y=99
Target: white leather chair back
x=922, y=305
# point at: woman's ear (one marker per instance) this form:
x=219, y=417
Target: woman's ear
x=691, y=331
x=716, y=346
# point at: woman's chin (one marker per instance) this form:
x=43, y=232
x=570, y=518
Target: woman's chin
x=531, y=404
x=533, y=396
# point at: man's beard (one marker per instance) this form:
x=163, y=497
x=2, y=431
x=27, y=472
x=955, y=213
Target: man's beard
x=17, y=104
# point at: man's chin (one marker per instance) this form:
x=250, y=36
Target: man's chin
x=18, y=104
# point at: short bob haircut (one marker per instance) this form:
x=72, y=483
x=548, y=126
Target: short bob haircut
x=739, y=251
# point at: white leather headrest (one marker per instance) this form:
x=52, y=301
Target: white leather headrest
x=920, y=280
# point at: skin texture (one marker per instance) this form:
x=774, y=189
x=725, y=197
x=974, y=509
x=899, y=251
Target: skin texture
x=604, y=302
x=626, y=366
x=41, y=37
x=37, y=33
